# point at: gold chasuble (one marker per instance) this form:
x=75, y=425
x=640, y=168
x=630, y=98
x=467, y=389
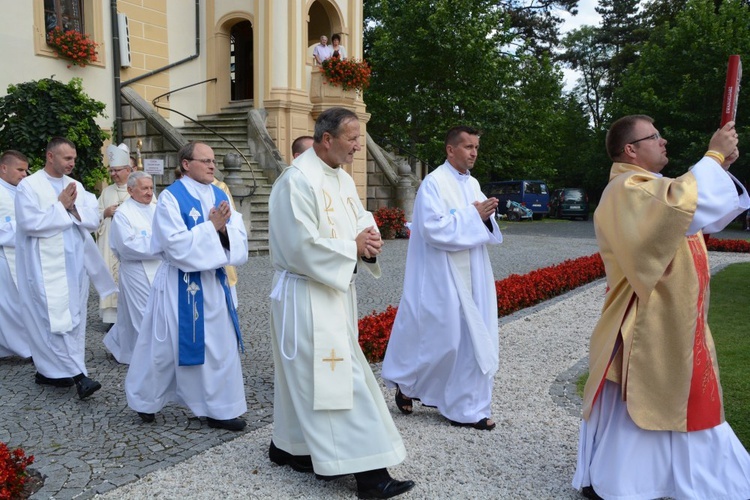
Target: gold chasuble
x=653, y=337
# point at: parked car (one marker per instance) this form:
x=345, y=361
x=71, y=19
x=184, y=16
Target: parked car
x=531, y=194
x=569, y=203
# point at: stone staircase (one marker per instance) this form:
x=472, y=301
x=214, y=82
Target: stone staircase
x=232, y=124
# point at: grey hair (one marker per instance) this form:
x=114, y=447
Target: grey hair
x=331, y=121
x=133, y=178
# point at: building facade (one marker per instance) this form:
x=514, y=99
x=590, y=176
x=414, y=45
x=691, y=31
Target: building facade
x=207, y=53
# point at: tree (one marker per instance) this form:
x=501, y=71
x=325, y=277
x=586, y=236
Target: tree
x=583, y=54
x=620, y=35
x=34, y=112
x=534, y=22
x=430, y=72
x=679, y=79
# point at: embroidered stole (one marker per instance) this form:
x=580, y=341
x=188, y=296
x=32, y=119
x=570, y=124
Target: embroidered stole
x=192, y=342
x=459, y=263
x=52, y=259
x=141, y=220
x=8, y=216
x=333, y=385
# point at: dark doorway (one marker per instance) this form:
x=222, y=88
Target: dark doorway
x=241, y=60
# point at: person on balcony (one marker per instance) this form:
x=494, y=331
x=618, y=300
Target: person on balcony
x=337, y=50
x=322, y=51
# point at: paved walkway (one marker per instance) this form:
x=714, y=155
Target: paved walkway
x=96, y=445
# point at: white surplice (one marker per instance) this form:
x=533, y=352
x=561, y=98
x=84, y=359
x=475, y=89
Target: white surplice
x=130, y=241
x=214, y=389
x=13, y=336
x=621, y=460
x=54, y=290
x=327, y=402
x=111, y=195
x=444, y=343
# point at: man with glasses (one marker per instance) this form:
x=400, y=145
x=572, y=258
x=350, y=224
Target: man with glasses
x=188, y=347
x=112, y=197
x=653, y=417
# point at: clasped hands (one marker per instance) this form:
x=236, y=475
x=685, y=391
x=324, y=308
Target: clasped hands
x=369, y=243
x=68, y=196
x=219, y=216
x=486, y=208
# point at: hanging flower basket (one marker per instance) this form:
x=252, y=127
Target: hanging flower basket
x=73, y=46
x=349, y=74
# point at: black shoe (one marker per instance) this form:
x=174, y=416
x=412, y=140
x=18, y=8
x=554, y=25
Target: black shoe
x=300, y=463
x=55, y=382
x=588, y=492
x=233, y=424
x=86, y=387
x=386, y=489
x=147, y=417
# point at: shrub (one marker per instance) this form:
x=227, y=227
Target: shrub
x=739, y=246
x=514, y=293
x=391, y=222
x=34, y=112
x=12, y=471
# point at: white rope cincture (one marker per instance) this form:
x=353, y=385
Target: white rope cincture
x=277, y=294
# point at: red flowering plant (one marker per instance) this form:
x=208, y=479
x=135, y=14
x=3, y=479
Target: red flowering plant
x=12, y=471
x=73, y=45
x=739, y=246
x=514, y=293
x=391, y=222
x=349, y=74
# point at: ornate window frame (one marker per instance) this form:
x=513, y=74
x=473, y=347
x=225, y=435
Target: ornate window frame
x=92, y=23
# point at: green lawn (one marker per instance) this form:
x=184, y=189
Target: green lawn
x=729, y=319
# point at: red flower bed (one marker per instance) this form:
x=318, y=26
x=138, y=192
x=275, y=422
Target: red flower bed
x=739, y=246
x=514, y=293
x=12, y=471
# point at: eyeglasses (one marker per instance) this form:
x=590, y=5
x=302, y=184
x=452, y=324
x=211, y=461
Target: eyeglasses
x=115, y=170
x=654, y=137
x=205, y=161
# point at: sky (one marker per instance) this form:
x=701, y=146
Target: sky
x=587, y=15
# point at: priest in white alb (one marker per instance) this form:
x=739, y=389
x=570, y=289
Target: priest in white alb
x=188, y=347
x=443, y=348
x=55, y=258
x=130, y=240
x=14, y=166
x=653, y=412
x=329, y=412
x=111, y=198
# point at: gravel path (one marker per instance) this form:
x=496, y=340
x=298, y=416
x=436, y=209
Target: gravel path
x=531, y=453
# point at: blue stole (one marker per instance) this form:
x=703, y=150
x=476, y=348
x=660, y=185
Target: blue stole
x=192, y=343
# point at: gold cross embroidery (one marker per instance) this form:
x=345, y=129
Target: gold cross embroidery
x=329, y=210
x=333, y=359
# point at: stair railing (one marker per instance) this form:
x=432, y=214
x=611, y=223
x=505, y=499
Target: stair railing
x=203, y=125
